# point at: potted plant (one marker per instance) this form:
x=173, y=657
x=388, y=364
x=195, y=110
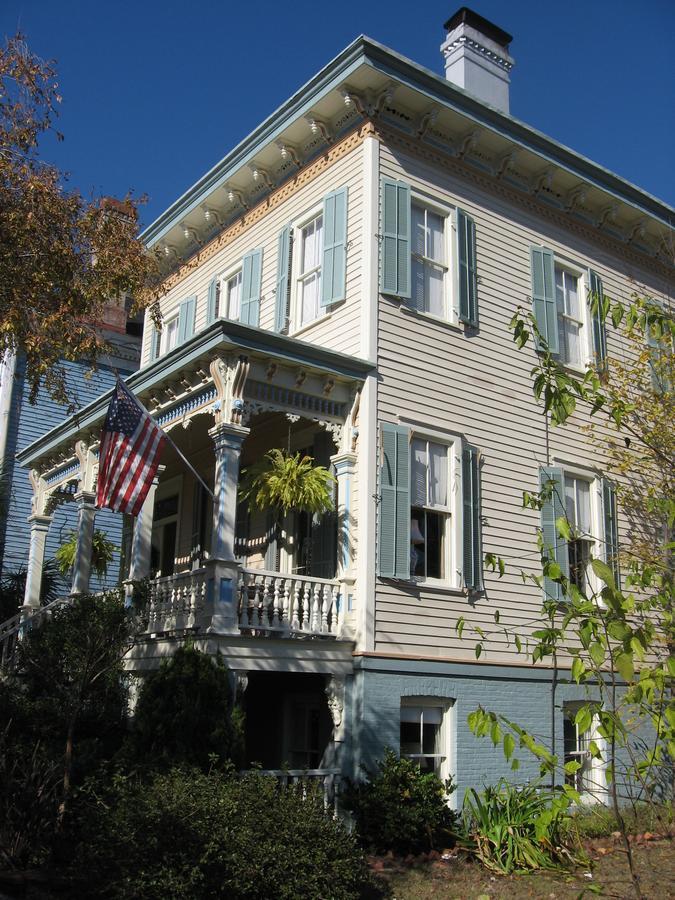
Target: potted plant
x=102, y=553
x=283, y=481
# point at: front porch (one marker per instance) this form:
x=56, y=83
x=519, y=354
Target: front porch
x=214, y=565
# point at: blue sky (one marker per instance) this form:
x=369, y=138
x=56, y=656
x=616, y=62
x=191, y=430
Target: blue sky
x=155, y=93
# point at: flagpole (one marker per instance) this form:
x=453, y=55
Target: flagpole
x=173, y=444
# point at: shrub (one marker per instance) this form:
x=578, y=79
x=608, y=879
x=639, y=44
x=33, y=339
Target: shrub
x=518, y=829
x=186, y=834
x=600, y=821
x=401, y=808
x=185, y=714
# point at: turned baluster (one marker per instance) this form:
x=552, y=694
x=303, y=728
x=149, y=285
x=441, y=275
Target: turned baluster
x=306, y=605
x=276, y=602
x=324, y=609
x=286, y=614
x=243, y=601
x=192, y=603
x=337, y=611
x=296, y=604
x=316, y=609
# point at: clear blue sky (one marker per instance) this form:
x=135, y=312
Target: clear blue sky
x=155, y=93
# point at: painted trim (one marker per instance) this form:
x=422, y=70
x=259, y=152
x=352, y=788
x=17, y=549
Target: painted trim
x=426, y=665
x=222, y=334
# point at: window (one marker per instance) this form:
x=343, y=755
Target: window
x=309, y=271
x=570, y=321
x=423, y=734
x=233, y=295
x=589, y=780
x=169, y=335
x=578, y=512
x=430, y=509
x=429, y=266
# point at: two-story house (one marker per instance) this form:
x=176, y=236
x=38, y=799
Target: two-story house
x=341, y=283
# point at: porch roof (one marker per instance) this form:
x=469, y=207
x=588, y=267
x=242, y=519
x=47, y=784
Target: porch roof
x=222, y=335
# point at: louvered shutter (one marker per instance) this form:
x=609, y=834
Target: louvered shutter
x=282, y=311
x=466, y=259
x=551, y=510
x=250, y=288
x=599, y=332
x=611, y=528
x=212, y=301
x=333, y=267
x=186, y=319
x=394, y=506
x=543, y=296
x=155, y=343
x=395, y=238
x=471, y=538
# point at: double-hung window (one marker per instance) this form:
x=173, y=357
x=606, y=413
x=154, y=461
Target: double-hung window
x=429, y=266
x=570, y=317
x=231, y=290
x=424, y=734
x=579, y=517
x=430, y=512
x=309, y=271
x=589, y=778
x=169, y=335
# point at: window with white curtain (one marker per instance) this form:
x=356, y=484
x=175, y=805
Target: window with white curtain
x=309, y=271
x=430, y=509
x=429, y=264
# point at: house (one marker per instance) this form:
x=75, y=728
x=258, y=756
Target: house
x=23, y=422
x=341, y=283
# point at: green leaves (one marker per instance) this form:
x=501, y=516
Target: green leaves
x=584, y=718
x=604, y=572
x=509, y=746
x=288, y=481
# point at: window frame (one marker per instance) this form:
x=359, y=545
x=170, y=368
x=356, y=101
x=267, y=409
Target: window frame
x=595, y=769
x=596, y=537
x=164, y=334
x=585, y=325
x=448, y=213
x=223, y=299
x=453, y=542
x=448, y=734
x=296, y=324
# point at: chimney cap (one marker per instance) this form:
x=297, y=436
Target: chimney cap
x=467, y=16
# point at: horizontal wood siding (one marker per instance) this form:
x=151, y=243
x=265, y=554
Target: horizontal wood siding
x=478, y=384
x=338, y=330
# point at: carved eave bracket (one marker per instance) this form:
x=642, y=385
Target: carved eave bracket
x=88, y=466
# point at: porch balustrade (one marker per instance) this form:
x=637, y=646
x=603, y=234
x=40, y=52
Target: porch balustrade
x=176, y=602
x=327, y=779
x=284, y=604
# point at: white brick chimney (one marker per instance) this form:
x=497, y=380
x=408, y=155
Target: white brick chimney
x=476, y=54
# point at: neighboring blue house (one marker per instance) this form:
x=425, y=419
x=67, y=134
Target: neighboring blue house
x=21, y=423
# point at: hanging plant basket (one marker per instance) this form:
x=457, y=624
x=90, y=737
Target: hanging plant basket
x=284, y=481
x=102, y=553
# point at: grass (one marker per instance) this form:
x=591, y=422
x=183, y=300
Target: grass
x=600, y=821
x=467, y=880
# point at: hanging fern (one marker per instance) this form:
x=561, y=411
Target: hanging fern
x=102, y=553
x=288, y=481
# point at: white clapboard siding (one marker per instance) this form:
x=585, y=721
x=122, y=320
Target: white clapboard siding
x=341, y=329
x=480, y=386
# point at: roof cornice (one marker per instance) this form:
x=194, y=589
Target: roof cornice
x=437, y=88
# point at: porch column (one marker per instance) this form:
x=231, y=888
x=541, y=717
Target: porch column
x=86, y=513
x=39, y=527
x=345, y=465
x=141, y=541
x=222, y=578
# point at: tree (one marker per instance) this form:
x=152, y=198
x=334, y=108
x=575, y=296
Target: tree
x=618, y=637
x=61, y=257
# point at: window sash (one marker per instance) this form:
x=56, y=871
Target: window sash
x=169, y=337
x=233, y=290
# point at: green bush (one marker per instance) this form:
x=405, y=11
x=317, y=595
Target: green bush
x=600, y=821
x=185, y=714
x=400, y=808
x=518, y=829
x=186, y=834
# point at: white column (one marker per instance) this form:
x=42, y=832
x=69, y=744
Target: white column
x=39, y=526
x=345, y=464
x=86, y=513
x=141, y=542
x=222, y=579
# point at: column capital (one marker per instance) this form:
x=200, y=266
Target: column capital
x=227, y=434
x=85, y=498
x=38, y=522
x=344, y=462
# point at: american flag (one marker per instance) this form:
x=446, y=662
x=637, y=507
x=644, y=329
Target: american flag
x=131, y=445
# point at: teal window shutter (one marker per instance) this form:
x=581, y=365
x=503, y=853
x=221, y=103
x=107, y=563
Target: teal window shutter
x=282, y=312
x=599, y=332
x=395, y=258
x=212, y=301
x=543, y=296
x=333, y=268
x=394, y=506
x=155, y=343
x=471, y=538
x=186, y=319
x=250, y=288
x=611, y=528
x=551, y=510
x=466, y=259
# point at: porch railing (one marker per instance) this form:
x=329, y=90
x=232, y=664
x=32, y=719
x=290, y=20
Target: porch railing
x=328, y=779
x=176, y=602
x=12, y=629
x=285, y=604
